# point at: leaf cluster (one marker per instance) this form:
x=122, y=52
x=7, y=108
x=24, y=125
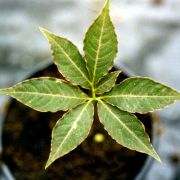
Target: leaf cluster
x=115, y=102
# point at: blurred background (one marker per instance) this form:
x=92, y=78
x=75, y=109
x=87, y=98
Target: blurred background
x=149, y=45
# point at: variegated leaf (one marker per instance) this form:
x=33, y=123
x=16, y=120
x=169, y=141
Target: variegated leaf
x=46, y=94
x=68, y=59
x=100, y=45
x=125, y=128
x=107, y=82
x=141, y=95
x=70, y=131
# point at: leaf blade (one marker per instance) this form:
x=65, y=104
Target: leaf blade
x=70, y=131
x=46, y=94
x=100, y=45
x=68, y=59
x=141, y=95
x=107, y=82
x=126, y=129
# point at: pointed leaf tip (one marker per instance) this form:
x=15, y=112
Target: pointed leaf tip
x=40, y=28
x=100, y=45
x=155, y=155
x=70, y=131
x=47, y=34
x=126, y=129
x=67, y=56
x=46, y=94
x=44, y=31
x=47, y=164
x=107, y=3
x=158, y=158
x=2, y=91
x=153, y=95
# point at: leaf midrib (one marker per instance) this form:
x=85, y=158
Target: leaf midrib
x=51, y=95
x=139, y=96
x=104, y=83
x=72, y=127
x=85, y=77
x=99, y=46
x=124, y=125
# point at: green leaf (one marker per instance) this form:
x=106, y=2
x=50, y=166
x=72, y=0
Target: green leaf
x=126, y=129
x=46, y=94
x=141, y=95
x=68, y=60
x=100, y=45
x=70, y=131
x=107, y=82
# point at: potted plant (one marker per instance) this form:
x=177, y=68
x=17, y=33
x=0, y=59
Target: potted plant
x=89, y=90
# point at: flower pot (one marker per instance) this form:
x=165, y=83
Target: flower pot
x=26, y=144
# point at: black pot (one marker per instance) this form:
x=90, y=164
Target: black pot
x=26, y=144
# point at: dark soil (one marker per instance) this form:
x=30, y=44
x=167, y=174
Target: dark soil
x=26, y=143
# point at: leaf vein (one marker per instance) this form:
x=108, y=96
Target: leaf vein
x=134, y=135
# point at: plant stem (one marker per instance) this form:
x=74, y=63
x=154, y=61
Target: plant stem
x=93, y=92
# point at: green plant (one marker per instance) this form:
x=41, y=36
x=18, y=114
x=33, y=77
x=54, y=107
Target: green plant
x=115, y=103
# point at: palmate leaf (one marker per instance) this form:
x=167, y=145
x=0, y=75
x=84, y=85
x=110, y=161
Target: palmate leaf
x=100, y=45
x=125, y=128
x=68, y=59
x=107, y=82
x=132, y=95
x=46, y=94
x=70, y=131
x=141, y=95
